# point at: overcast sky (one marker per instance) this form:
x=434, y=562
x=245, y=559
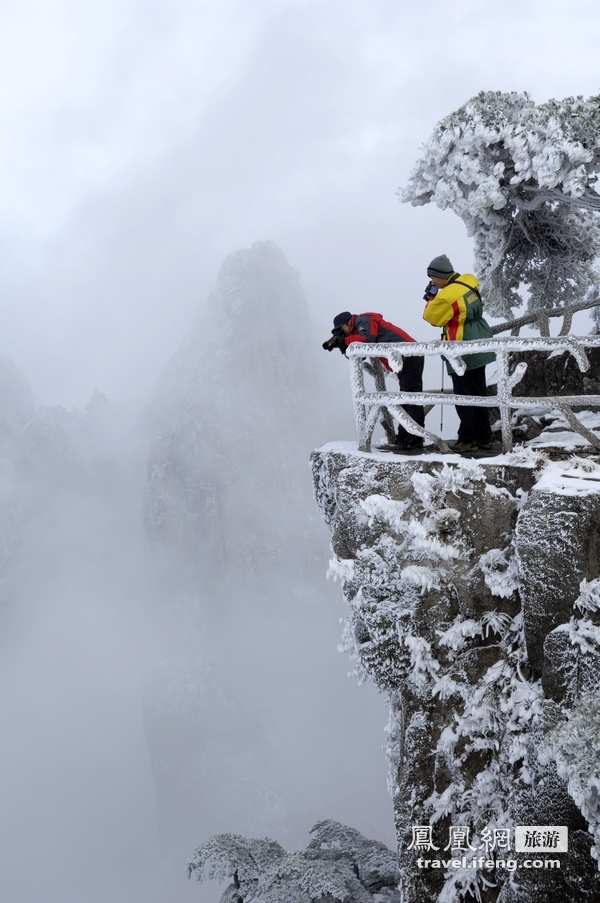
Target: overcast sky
x=141, y=142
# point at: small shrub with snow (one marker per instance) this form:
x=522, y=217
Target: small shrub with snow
x=339, y=865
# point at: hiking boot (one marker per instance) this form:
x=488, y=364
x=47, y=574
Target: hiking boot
x=484, y=446
x=461, y=446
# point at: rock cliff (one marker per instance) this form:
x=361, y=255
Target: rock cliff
x=474, y=604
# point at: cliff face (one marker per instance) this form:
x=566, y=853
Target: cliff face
x=474, y=604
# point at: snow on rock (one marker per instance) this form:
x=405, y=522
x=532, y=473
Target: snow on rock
x=589, y=595
x=340, y=569
x=500, y=569
x=570, y=477
x=426, y=579
x=474, y=603
x=574, y=745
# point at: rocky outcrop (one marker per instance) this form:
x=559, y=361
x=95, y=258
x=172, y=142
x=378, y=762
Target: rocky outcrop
x=558, y=544
x=474, y=600
x=557, y=374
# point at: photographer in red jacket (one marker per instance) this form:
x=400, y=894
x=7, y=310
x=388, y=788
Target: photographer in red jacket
x=371, y=327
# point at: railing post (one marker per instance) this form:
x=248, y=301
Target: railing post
x=504, y=394
x=375, y=368
x=357, y=381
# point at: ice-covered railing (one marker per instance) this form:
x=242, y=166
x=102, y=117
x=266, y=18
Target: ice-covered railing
x=369, y=407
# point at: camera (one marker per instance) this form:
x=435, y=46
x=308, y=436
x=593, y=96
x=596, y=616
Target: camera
x=336, y=341
x=430, y=292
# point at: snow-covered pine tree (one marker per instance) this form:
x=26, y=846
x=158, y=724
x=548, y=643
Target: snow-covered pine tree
x=522, y=178
x=339, y=865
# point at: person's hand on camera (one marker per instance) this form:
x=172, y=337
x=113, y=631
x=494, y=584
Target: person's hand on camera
x=430, y=292
x=336, y=341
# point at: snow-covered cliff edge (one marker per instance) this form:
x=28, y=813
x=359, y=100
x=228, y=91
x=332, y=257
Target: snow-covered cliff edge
x=474, y=602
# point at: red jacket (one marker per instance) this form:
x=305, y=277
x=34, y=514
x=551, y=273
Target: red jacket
x=371, y=327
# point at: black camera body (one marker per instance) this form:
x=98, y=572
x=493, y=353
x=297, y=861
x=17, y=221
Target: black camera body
x=336, y=341
x=430, y=292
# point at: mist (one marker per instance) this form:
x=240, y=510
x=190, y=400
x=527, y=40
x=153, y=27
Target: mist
x=142, y=145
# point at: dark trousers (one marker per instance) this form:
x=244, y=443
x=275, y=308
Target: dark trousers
x=411, y=380
x=474, y=422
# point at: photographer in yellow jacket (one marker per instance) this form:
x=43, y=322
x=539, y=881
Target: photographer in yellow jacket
x=453, y=302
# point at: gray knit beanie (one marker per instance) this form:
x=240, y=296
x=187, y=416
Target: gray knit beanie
x=440, y=267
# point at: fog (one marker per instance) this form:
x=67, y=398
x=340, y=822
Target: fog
x=143, y=143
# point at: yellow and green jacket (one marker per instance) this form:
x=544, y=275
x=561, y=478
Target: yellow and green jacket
x=458, y=309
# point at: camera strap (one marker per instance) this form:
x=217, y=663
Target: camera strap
x=466, y=285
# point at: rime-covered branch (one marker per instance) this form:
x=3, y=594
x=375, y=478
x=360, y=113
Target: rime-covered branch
x=339, y=865
x=522, y=178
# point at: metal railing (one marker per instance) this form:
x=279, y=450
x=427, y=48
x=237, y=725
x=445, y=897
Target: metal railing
x=369, y=407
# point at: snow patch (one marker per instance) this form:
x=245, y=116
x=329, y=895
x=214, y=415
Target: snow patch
x=427, y=579
x=425, y=544
x=500, y=573
x=573, y=476
x=589, y=595
x=582, y=633
x=424, y=665
x=456, y=635
x=454, y=479
x=380, y=508
x=341, y=569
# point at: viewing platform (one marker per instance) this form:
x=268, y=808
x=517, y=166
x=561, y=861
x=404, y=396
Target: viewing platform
x=567, y=418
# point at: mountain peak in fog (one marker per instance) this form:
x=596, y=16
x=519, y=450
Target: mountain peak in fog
x=253, y=336
x=236, y=417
